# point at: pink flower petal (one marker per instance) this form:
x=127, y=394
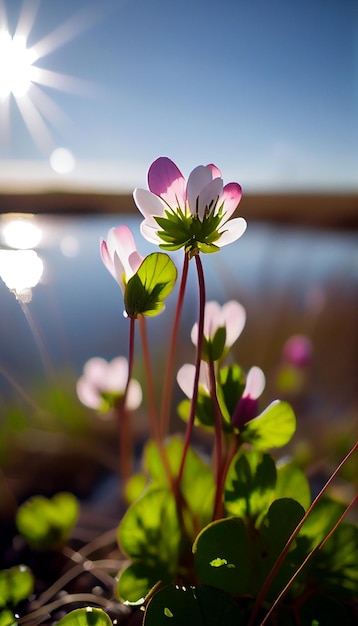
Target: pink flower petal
x=149, y=204
x=231, y=197
x=106, y=258
x=216, y=173
x=255, y=383
x=95, y=371
x=232, y=230
x=166, y=180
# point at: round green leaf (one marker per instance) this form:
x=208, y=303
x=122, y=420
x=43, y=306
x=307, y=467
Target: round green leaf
x=192, y=606
x=46, y=523
x=152, y=283
x=89, y=616
x=272, y=429
x=149, y=530
x=292, y=483
x=16, y=584
x=223, y=556
x=135, y=581
x=250, y=484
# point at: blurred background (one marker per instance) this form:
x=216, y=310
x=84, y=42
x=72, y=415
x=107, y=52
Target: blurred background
x=90, y=94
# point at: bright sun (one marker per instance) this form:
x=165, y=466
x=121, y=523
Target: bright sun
x=16, y=69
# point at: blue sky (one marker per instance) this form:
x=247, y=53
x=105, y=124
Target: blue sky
x=266, y=89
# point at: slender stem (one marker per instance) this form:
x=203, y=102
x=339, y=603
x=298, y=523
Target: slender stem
x=124, y=425
x=218, y=443
x=154, y=424
x=308, y=557
x=234, y=446
x=199, y=346
x=168, y=377
x=262, y=594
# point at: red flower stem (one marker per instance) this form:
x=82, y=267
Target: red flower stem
x=124, y=425
x=199, y=346
x=234, y=446
x=154, y=424
x=262, y=594
x=218, y=443
x=308, y=557
x=168, y=377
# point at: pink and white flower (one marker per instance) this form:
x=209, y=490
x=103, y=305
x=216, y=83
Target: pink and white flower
x=103, y=383
x=193, y=214
x=120, y=255
x=231, y=317
x=247, y=407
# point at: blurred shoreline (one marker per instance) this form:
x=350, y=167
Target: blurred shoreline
x=313, y=209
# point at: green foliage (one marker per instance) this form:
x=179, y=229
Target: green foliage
x=192, y=606
x=16, y=585
x=231, y=555
x=253, y=482
x=197, y=495
x=152, y=283
x=150, y=535
x=89, y=616
x=230, y=386
x=272, y=429
x=154, y=533
x=250, y=484
x=46, y=523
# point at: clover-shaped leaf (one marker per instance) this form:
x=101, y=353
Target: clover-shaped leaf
x=46, y=523
x=273, y=428
x=150, y=535
x=250, y=484
x=192, y=606
x=150, y=285
x=16, y=585
x=90, y=616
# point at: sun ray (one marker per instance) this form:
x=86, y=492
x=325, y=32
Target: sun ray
x=4, y=120
x=70, y=29
x=65, y=82
x=27, y=19
x=49, y=110
x=35, y=123
x=27, y=82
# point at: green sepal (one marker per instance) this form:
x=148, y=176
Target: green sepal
x=152, y=283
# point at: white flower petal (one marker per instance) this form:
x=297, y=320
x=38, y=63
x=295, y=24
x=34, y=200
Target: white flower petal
x=209, y=196
x=87, y=393
x=150, y=233
x=234, y=318
x=198, y=179
x=117, y=375
x=134, y=396
x=231, y=231
x=149, y=204
x=185, y=379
